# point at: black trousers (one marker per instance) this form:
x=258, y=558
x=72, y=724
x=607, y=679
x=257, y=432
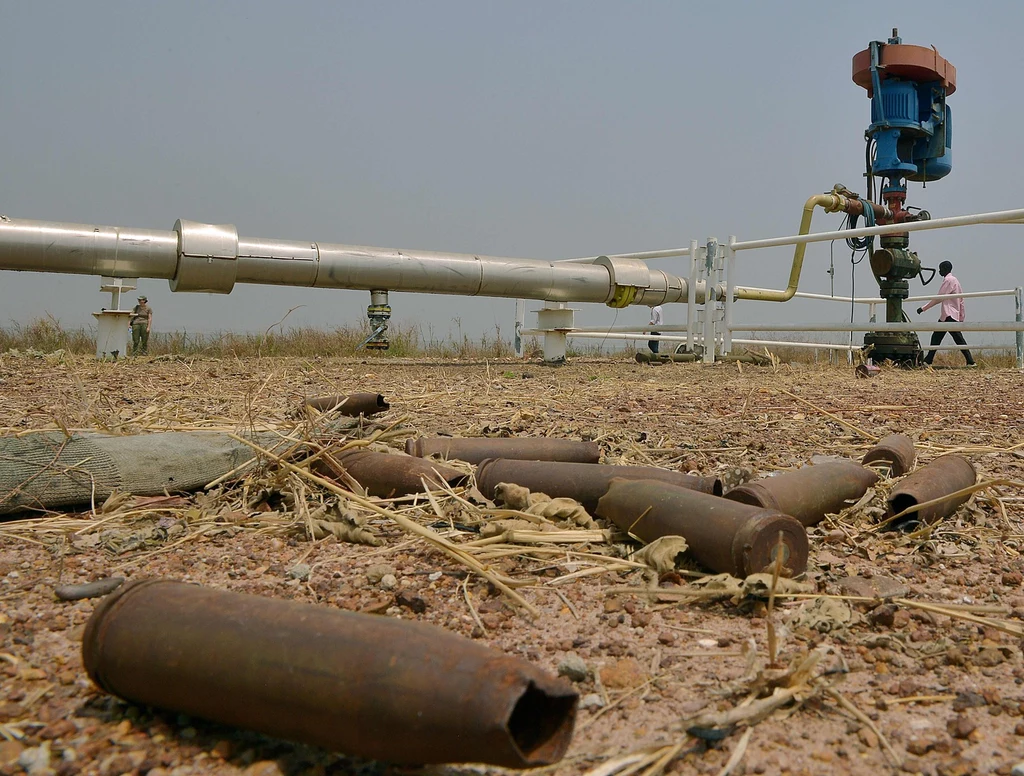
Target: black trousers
x=958, y=338
x=653, y=344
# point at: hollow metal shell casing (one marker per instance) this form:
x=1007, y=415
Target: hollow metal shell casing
x=386, y=475
x=896, y=450
x=720, y=534
x=365, y=685
x=354, y=404
x=584, y=482
x=810, y=493
x=942, y=476
x=476, y=449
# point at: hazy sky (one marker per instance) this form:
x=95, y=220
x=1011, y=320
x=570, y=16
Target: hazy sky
x=533, y=129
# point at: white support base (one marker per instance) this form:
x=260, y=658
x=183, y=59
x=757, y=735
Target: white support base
x=112, y=334
x=555, y=321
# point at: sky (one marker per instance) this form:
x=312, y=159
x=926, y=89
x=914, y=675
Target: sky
x=536, y=129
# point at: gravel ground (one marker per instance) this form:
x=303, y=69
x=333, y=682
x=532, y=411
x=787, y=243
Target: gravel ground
x=922, y=692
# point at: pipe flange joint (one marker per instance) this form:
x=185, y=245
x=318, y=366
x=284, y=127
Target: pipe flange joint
x=207, y=257
x=627, y=276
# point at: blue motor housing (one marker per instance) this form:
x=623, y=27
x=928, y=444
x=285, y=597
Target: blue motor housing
x=913, y=130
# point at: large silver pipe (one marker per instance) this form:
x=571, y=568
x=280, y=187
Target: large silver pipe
x=205, y=257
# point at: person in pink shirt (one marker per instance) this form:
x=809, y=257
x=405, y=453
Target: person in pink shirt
x=952, y=311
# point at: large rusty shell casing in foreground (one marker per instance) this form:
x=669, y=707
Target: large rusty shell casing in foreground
x=364, y=685
x=354, y=404
x=942, y=476
x=476, y=449
x=896, y=450
x=386, y=475
x=810, y=493
x=584, y=482
x=721, y=535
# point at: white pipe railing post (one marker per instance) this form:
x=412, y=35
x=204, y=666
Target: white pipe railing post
x=1017, y=300
x=730, y=283
x=691, y=298
x=520, y=322
x=711, y=256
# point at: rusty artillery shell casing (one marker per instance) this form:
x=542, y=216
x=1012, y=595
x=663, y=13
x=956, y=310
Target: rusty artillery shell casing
x=809, y=493
x=386, y=475
x=354, y=404
x=365, y=685
x=947, y=474
x=896, y=450
x=585, y=482
x=476, y=449
x=721, y=535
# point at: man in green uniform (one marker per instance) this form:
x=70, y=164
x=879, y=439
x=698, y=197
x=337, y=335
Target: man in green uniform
x=141, y=322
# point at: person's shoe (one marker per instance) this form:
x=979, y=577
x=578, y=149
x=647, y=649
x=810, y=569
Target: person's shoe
x=972, y=365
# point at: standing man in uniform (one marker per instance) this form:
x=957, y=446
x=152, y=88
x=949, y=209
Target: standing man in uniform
x=141, y=322
x=952, y=311
x=655, y=322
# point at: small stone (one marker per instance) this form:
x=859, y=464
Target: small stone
x=435, y=575
x=409, y=600
x=388, y=582
x=591, y=701
x=612, y=605
x=877, y=586
x=377, y=572
x=263, y=768
x=667, y=638
x=623, y=674
x=883, y=615
x=988, y=657
x=1018, y=770
x=867, y=737
x=573, y=668
x=300, y=571
x=960, y=726
x=918, y=746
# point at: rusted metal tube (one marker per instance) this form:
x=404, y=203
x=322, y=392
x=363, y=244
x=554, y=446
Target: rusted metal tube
x=386, y=475
x=354, y=404
x=585, y=482
x=722, y=535
x=365, y=685
x=947, y=474
x=809, y=493
x=896, y=450
x=476, y=449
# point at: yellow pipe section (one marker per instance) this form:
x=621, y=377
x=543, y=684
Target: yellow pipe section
x=832, y=203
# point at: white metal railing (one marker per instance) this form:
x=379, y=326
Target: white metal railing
x=712, y=324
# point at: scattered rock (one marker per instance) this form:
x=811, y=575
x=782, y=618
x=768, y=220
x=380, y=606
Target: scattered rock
x=623, y=674
x=377, y=572
x=591, y=701
x=573, y=668
x=300, y=571
x=409, y=600
x=263, y=768
x=960, y=726
x=876, y=587
x=388, y=582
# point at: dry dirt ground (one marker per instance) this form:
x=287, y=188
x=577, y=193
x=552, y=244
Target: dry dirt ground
x=901, y=687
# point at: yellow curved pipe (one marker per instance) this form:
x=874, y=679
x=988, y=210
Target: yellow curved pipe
x=832, y=203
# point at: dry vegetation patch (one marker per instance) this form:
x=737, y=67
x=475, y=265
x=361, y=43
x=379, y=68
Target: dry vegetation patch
x=677, y=675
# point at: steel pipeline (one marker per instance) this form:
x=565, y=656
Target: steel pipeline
x=896, y=450
x=584, y=482
x=212, y=258
x=808, y=493
x=354, y=404
x=722, y=535
x=377, y=687
x=942, y=476
x=476, y=449
x=386, y=475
